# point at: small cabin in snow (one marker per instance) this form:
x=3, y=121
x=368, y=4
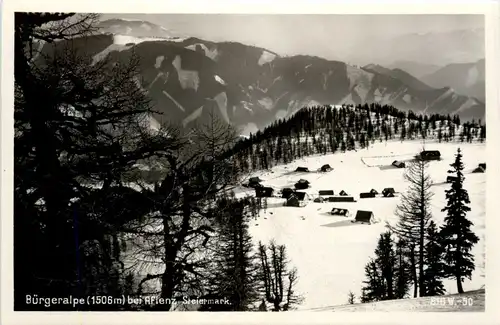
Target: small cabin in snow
x=398, y=164
x=302, y=169
x=430, y=155
x=340, y=212
x=326, y=192
x=254, y=182
x=341, y=199
x=302, y=184
x=364, y=217
x=293, y=201
x=300, y=195
x=478, y=169
x=366, y=195
x=388, y=192
x=286, y=192
x=319, y=200
x=326, y=168
x=343, y=193
x=451, y=179
x=482, y=165
x=264, y=191
x=373, y=191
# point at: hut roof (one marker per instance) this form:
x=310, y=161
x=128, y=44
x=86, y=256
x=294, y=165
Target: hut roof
x=339, y=211
x=300, y=195
x=364, y=216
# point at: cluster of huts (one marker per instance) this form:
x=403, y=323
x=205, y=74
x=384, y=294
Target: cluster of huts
x=386, y=192
x=294, y=197
x=325, y=168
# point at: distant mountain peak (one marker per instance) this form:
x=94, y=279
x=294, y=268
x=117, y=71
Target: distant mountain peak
x=138, y=28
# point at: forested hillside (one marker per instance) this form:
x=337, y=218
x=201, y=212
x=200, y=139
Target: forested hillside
x=331, y=129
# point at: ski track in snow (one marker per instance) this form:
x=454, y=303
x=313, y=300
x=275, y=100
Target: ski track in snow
x=330, y=252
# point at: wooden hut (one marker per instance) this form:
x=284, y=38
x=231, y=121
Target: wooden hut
x=341, y=199
x=398, y=164
x=388, y=192
x=326, y=168
x=300, y=195
x=292, y=201
x=364, y=217
x=339, y=212
x=366, y=195
x=286, y=192
x=264, y=191
x=302, y=184
x=430, y=155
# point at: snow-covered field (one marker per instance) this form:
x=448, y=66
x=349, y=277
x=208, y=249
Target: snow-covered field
x=470, y=301
x=330, y=252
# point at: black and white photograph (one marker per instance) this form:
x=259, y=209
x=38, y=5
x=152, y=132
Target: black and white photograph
x=248, y=162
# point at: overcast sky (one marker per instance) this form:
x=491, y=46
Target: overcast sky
x=332, y=36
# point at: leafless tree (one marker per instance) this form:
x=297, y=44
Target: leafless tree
x=175, y=237
x=414, y=216
x=278, y=281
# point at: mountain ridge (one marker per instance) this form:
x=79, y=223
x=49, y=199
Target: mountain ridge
x=188, y=79
x=467, y=78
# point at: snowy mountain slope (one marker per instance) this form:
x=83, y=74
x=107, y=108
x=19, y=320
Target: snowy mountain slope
x=415, y=68
x=400, y=74
x=466, y=78
x=137, y=28
x=331, y=252
x=259, y=85
x=471, y=301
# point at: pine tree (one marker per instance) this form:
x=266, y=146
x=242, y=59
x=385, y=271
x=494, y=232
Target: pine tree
x=456, y=234
x=385, y=259
x=235, y=266
x=434, y=259
x=350, y=298
x=402, y=270
x=374, y=285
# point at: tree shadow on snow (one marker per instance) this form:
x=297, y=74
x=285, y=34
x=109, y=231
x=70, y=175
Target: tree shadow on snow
x=342, y=223
x=388, y=167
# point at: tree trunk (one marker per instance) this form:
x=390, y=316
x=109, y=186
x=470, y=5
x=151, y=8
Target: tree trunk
x=459, y=284
x=413, y=271
x=421, y=259
x=167, y=279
